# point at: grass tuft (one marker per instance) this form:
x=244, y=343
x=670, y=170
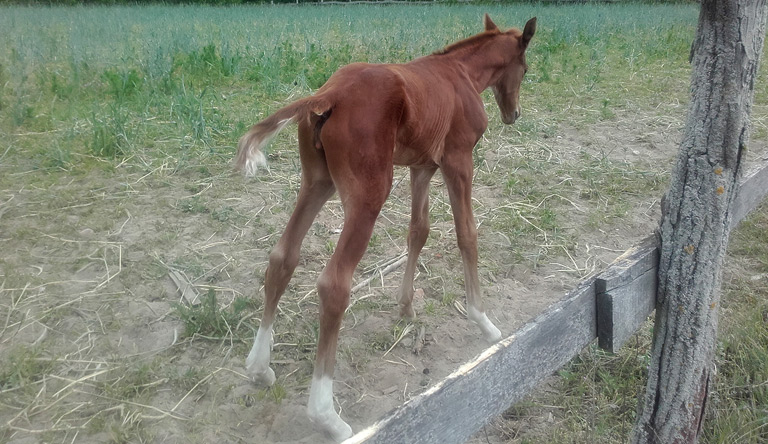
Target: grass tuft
x=209, y=320
x=110, y=136
x=23, y=366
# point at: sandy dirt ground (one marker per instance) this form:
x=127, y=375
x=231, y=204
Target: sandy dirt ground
x=88, y=294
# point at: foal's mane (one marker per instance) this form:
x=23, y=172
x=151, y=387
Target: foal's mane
x=475, y=40
x=469, y=41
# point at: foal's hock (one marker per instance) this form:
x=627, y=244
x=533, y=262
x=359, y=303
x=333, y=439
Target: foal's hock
x=425, y=114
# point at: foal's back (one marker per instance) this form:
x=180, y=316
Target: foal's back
x=428, y=100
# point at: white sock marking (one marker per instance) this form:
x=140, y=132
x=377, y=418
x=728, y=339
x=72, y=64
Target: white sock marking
x=321, y=412
x=257, y=362
x=490, y=332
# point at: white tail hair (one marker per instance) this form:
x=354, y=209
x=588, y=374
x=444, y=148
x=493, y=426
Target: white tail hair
x=249, y=149
x=250, y=155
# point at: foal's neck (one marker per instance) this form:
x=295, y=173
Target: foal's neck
x=480, y=59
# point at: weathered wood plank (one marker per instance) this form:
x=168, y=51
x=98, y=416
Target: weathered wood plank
x=185, y=287
x=626, y=294
x=455, y=408
x=632, y=264
x=752, y=189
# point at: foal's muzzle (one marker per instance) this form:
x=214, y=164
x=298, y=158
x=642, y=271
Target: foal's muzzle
x=510, y=118
x=506, y=116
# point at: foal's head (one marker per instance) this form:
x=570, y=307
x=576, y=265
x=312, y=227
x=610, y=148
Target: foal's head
x=506, y=89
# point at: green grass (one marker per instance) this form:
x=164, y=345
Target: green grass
x=739, y=412
x=24, y=366
x=135, y=382
x=188, y=80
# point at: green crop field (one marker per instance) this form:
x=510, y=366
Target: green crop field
x=114, y=79
x=117, y=130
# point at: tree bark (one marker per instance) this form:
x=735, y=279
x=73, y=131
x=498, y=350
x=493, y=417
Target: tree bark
x=696, y=216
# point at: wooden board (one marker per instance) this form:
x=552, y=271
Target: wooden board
x=626, y=294
x=752, y=190
x=455, y=408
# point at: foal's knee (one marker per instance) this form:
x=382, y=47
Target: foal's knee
x=281, y=261
x=334, y=294
x=467, y=240
x=418, y=233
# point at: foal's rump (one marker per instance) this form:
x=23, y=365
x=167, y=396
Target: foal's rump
x=367, y=97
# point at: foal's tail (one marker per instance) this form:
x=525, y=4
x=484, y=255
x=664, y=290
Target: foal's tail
x=249, y=155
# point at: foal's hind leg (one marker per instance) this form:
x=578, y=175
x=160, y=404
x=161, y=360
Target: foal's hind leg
x=362, y=172
x=316, y=188
x=457, y=172
x=333, y=287
x=417, y=234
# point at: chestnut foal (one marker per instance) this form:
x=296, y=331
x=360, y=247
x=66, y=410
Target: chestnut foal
x=426, y=114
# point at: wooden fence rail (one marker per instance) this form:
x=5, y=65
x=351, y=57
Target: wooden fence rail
x=610, y=307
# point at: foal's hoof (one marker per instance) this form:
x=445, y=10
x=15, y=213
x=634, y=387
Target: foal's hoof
x=332, y=424
x=492, y=335
x=490, y=332
x=262, y=376
x=407, y=313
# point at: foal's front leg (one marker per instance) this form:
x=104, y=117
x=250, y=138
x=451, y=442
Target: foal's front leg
x=457, y=172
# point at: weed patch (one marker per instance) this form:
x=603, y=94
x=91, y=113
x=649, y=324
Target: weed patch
x=208, y=61
x=209, y=320
x=110, y=134
x=24, y=365
x=123, y=84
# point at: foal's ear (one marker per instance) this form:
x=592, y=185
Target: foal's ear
x=489, y=25
x=528, y=31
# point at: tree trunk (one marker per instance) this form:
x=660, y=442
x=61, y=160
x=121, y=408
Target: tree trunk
x=696, y=216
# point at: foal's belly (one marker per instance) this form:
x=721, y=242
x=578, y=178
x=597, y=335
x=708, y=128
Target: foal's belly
x=410, y=156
